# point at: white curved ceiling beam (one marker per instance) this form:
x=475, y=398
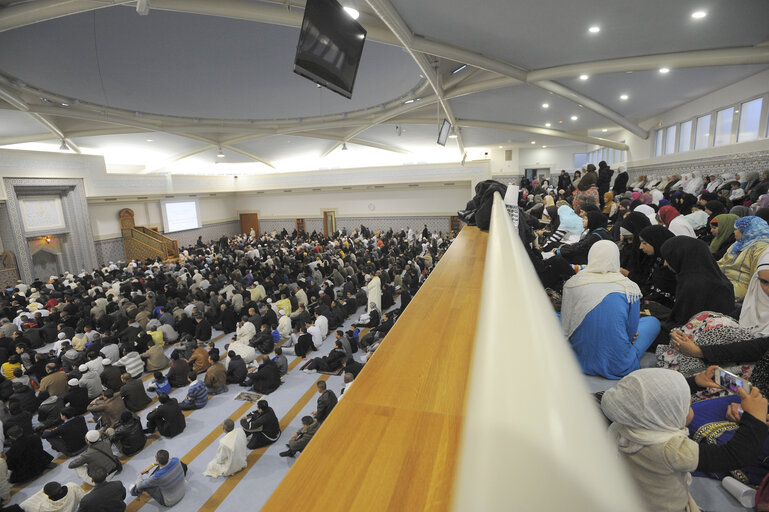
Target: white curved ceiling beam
x=248, y=154
x=694, y=59
x=42, y=137
x=181, y=156
x=390, y=16
x=29, y=13
x=477, y=123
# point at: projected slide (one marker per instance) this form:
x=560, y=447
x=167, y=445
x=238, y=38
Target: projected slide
x=181, y=216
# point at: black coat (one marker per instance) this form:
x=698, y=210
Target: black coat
x=620, y=183
x=270, y=426
x=25, y=399
x=72, y=432
x=203, y=330
x=129, y=436
x=105, y=497
x=326, y=402
x=77, y=398
x=267, y=378
x=27, y=459
x=576, y=253
x=173, y=421
x=236, y=370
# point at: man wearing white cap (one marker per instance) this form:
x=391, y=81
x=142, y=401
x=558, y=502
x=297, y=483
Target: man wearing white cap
x=284, y=324
x=97, y=455
x=90, y=381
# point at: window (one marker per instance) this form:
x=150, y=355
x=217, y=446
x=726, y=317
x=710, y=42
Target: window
x=658, y=144
x=580, y=159
x=724, y=120
x=670, y=140
x=750, y=118
x=685, y=137
x=703, y=132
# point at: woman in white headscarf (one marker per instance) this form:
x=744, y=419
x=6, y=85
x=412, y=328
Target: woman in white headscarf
x=694, y=185
x=650, y=410
x=600, y=314
x=648, y=211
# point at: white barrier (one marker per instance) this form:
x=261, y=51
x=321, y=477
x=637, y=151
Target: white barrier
x=533, y=438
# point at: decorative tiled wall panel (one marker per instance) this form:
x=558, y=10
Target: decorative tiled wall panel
x=742, y=163
x=109, y=250
x=416, y=222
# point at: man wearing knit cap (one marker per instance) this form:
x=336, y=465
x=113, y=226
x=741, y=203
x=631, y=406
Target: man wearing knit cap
x=54, y=496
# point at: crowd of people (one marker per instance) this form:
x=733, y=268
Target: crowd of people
x=674, y=265
x=75, y=350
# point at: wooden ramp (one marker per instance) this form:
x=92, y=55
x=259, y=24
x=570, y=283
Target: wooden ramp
x=392, y=442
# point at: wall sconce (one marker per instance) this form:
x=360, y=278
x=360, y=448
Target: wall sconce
x=48, y=239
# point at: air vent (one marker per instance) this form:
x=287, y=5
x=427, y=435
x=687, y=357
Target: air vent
x=111, y=199
x=260, y=192
x=143, y=197
x=378, y=186
x=316, y=190
x=346, y=188
x=288, y=190
x=413, y=184
x=508, y=155
x=449, y=184
x=212, y=195
x=192, y=195
x=169, y=197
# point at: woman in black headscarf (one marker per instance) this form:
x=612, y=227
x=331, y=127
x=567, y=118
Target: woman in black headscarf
x=700, y=284
x=635, y=264
x=576, y=253
x=714, y=208
x=660, y=285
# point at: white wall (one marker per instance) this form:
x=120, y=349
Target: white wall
x=556, y=159
x=422, y=200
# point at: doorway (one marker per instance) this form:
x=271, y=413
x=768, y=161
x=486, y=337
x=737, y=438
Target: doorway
x=45, y=264
x=249, y=221
x=329, y=222
x=300, y=225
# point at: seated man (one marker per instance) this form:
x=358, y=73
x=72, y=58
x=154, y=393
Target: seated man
x=55, y=497
x=216, y=376
x=262, y=425
x=133, y=393
x=265, y=379
x=107, y=408
x=97, y=455
x=231, y=454
x=197, y=394
x=69, y=437
x=105, y=496
x=326, y=401
x=25, y=458
x=163, y=480
x=236, y=368
x=167, y=418
x=330, y=363
x=128, y=434
x=299, y=440
x=280, y=361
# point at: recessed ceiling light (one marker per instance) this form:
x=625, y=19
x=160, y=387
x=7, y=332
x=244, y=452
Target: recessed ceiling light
x=574, y=118
x=500, y=147
x=149, y=140
x=664, y=70
x=594, y=29
x=352, y=12
x=460, y=68
x=65, y=104
x=453, y=136
x=623, y=97
x=543, y=147
x=583, y=77
x=220, y=154
x=534, y=142
x=407, y=102
x=560, y=122
x=547, y=125
x=698, y=15
x=604, y=130
x=546, y=105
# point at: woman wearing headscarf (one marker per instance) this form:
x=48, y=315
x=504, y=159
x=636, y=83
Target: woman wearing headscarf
x=675, y=222
x=657, y=196
x=714, y=208
x=740, y=261
x=576, y=254
x=660, y=286
x=722, y=228
x=609, y=206
x=673, y=184
x=587, y=190
x=695, y=185
x=646, y=198
x=763, y=213
x=740, y=211
x=648, y=211
x=700, y=284
x=649, y=410
x=577, y=179
x=698, y=219
x=684, y=202
x=568, y=230
x=635, y=265
x=600, y=315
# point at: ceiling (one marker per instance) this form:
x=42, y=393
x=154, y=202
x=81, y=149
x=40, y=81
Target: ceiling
x=193, y=80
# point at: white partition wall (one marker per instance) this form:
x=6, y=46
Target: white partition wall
x=533, y=437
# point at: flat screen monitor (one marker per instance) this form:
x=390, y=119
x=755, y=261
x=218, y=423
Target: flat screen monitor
x=180, y=215
x=443, y=134
x=330, y=46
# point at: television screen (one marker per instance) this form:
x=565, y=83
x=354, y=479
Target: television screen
x=443, y=134
x=330, y=46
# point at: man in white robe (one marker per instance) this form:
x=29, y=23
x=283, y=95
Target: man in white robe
x=231, y=455
x=374, y=288
x=55, y=497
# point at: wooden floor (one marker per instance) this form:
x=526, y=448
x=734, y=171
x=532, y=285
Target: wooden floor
x=392, y=442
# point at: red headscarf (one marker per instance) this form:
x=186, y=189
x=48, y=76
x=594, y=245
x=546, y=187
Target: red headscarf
x=667, y=214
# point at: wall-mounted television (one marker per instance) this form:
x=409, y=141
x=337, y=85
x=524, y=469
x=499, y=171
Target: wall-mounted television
x=330, y=46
